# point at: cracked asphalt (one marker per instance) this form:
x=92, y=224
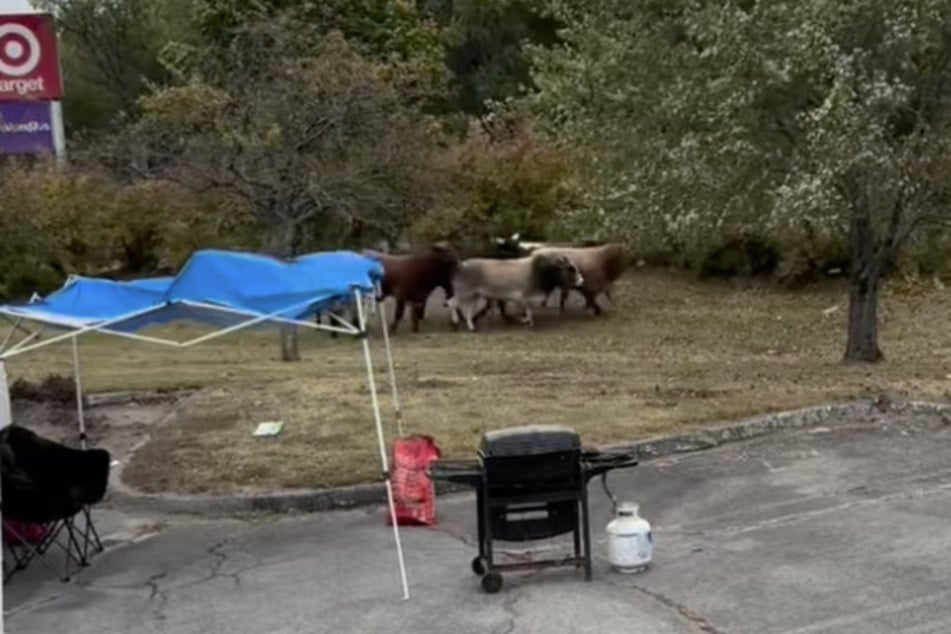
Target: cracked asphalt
x=843, y=529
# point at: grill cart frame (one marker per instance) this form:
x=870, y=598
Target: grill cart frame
x=531, y=483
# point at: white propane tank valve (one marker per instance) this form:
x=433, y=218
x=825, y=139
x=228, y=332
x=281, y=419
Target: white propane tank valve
x=630, y=541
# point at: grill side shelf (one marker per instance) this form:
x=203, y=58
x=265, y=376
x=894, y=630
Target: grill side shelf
x=466, y=472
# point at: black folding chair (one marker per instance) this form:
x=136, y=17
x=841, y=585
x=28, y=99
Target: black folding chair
x=51, y=485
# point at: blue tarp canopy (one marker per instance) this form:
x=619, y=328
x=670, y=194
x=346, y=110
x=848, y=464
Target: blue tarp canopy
x=217, y=287
x=223, y=288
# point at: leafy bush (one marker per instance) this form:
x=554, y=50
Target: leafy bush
x=54, y=388
x=155, y=225
x=51, y=226
x=746, y=255
x=810, y=258
x=55, y=222
x=501, y=181
x=928, y=256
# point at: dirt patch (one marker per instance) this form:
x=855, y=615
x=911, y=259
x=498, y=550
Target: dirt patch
x=52, y=389
x=433, y=383
x=117, y=427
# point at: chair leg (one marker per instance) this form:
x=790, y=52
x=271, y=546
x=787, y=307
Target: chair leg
x=50, y=531
x=71, y=548
x=9, y=562
x=31, y=554
x=33, y=548
x=91, y=531
x=73, y=544
x=18, y=559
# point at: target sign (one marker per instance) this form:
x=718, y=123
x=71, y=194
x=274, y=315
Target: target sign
x=29, y=61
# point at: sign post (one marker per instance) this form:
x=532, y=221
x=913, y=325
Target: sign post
x=30, y=82
x=5, y=420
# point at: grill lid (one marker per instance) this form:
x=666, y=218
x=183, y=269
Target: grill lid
x=529, y=440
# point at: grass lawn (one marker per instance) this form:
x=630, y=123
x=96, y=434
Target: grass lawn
x=674, y=353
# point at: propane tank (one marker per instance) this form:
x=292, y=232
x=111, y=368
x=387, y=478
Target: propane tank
x=630, y=541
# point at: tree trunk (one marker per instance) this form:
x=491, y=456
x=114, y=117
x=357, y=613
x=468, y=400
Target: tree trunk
x=290, y=351
x=862, y=345
x=285, y=243
x=865, y=278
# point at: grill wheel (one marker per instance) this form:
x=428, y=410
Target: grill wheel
x=478, y=567
x=492, y=582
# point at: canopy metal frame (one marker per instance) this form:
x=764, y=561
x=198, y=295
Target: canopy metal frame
x=365, y=303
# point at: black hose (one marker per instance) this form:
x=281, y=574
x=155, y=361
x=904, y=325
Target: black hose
x=604, y=483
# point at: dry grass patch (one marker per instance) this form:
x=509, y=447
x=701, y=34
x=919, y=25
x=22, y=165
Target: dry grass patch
x=675, y=353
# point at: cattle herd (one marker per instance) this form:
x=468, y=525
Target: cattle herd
x=519, y=273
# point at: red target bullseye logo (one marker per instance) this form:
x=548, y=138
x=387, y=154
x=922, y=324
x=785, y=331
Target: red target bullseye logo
x=19, y=50
x=29, y=58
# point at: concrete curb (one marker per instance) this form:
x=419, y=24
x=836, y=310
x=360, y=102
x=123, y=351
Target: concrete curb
x=308, y=500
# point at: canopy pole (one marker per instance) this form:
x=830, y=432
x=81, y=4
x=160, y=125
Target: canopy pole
x=391, y=372
x=13, y=329
x=23, y=342
x=5, y=420
x=79, y=394
x=378, y=421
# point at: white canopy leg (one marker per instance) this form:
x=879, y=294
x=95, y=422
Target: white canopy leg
x=391, y=372
x=5, y=419
x=79, y=394
x=378, y=421
x=13, y=329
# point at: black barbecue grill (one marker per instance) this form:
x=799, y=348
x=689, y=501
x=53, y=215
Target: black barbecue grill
x=531, y=483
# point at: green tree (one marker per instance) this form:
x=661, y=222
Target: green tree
x=789, y=117
x=484, y=43
x=393, y=33
x=110, y=53
x=312, y=137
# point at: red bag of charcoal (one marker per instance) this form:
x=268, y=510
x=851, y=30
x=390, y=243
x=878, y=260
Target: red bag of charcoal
x=414, y=494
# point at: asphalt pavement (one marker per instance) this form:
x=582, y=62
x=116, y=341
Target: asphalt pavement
x=841, y=529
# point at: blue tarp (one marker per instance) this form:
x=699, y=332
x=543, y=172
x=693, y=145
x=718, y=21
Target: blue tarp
x=249, y=284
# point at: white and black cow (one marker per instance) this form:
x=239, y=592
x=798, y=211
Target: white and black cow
x=518, y=280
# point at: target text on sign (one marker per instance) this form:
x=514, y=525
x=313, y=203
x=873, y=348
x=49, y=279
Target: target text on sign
x=29, y=61
x=22, y=87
